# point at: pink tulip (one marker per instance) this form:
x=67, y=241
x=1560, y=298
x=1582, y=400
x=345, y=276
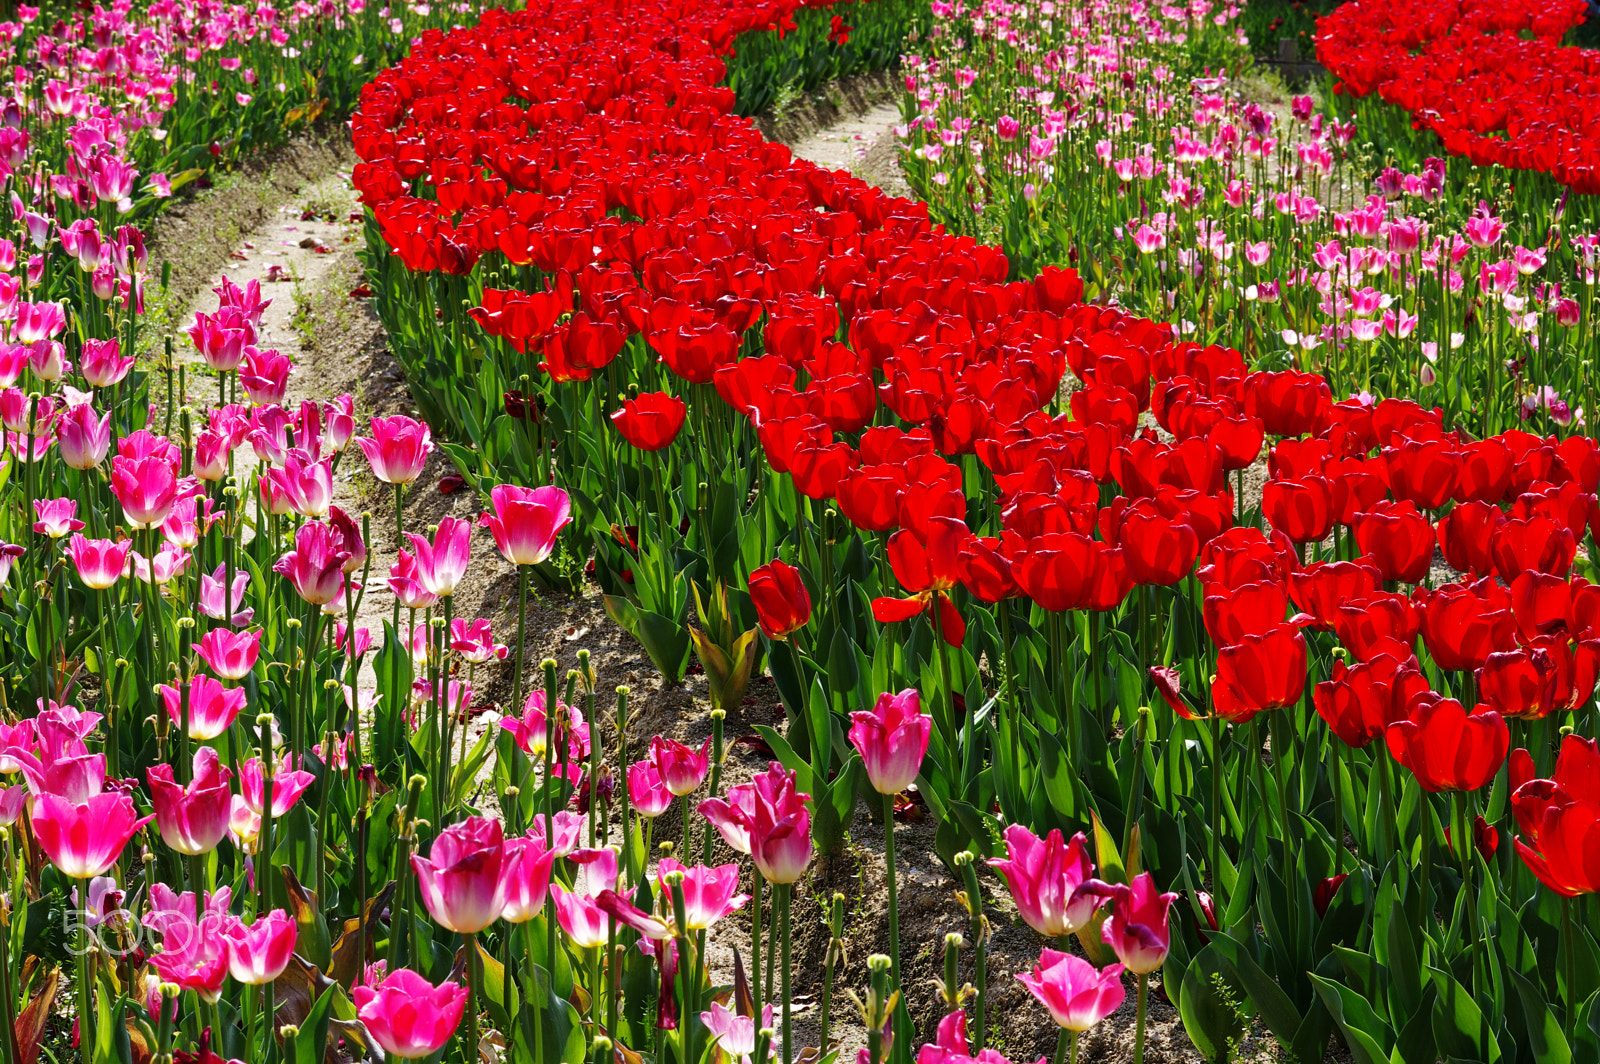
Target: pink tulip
x=197, y=961
x=288, y=784
x=159, y=570
x=1137, y=927
x=709, y=894
x=211, y=453
x=597, y=869
x=475, y=642
x=84, y=839
x=735, y=1033
x=307, y=485
x=526, y=521
x=246, y=300
x=212, y=707
x=619, y=908
x=398, y=448
x=57, y=517
x=146, y=487
x=211, y=597
x=460, y=878
x=189, y=519
x=350, y=537
x=12, y=802
x=103, y=364
x=766, y=818
x=264, y=376
x=525, y=879
x=316, y=565
x=231, y=655
x=408, y=1016
x=405, y=580
x=1077, y=995
x=442, y=563
x=581, y=917
x=221, y=337
x=100, y=562
x=892, y=740
x=258, y=953
x=648, y=792
x=9, y=553
x=192, y=819
x=682, y=769
x=1051, y=883
x=84, y=439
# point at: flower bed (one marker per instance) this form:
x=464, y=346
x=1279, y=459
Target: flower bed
x=1491, y=78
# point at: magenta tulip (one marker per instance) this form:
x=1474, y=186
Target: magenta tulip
x=231, y=655
x=525, y=879
x=648, y=792
x=408, y=1016
x=1076, y=994
x=766, y=818
x=100, y=562
x=192, y=819
x=1137, y=927
x=316, y=565
x=146, y=487
x=682, y=768
x=85, y=439
x=892, y=739
x=1051, y=882
x=56, y=517
x=709, y=894
x=288, y=784
x=581, y=917
x=461, y=876
x=258, y=953
x=398, y=448
x=212, y=707
x=84, y=839
x=442, y=563
x=526, y=521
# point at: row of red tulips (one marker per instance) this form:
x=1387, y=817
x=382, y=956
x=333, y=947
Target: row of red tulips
x=1490, y=77
x=596, y=275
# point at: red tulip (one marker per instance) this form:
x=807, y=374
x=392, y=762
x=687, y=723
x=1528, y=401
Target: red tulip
x=1463, y=624
x=1447, y=748
x=1382, y=623
x=1302, y=509
x=1465, y=534
x=1261, y=672
x=651, y=421
x=1322, y=587
x=928, y=570
x=1560, y=818
x=1360, y=701
x=1397, y=540
x=1322, y=897
x=1057, y=570
x=1250, y=609
x=1158, y=550
x=783, y=605
x=1422, y=471
x=1550, y=673
x=1535, y=544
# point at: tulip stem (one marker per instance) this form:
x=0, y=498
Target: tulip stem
x=86, y=1025
x=1463, y=841
x=522, y=632
x=755, y=941
x=785, y=892
x=1066, y=1041
x=901, y=1033
x=1569, y=964
x=1138, y=1026
x=1217, y=769
x=473, y=978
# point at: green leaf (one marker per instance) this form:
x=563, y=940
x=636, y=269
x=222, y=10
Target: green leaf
x=1211, y=1021
x=310, y=1045
x=1546, y=1041
x=1368, y=1037
x=1277, y=1011
x=1459, y=1025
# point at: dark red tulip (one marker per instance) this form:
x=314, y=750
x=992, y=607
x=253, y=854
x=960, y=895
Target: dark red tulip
x=1301, y=509
x=1397, y=540
x=1536, y=543
x=1463, y=624
x=1159, y=550
x=650, y=422
x=1362, y=700
x=1169, y=685
x=783, y=605
x=1322, y=896
x=1447, y=748
x=1465, y=534
x=985, y=565
x=1322, y=587
x=1259, y=673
